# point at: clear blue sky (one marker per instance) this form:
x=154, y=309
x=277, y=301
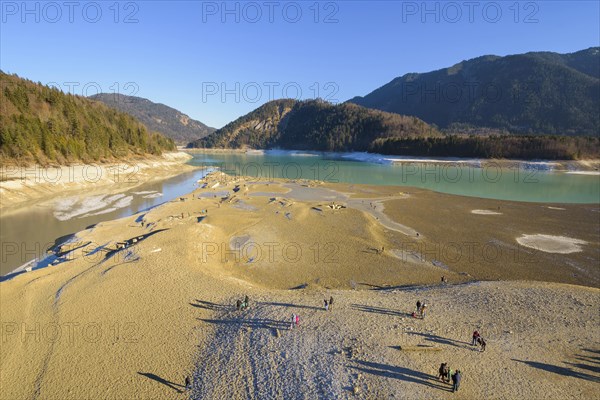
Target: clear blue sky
x=184, y=53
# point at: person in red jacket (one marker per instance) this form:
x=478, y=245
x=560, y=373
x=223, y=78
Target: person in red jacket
x=476, y=336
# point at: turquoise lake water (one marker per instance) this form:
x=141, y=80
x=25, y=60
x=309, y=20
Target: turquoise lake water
x=531, y=182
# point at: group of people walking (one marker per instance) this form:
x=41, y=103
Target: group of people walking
x=327, y=305
x=420, y=310
x=295, y=321
x=242, y=305
x=446, y=374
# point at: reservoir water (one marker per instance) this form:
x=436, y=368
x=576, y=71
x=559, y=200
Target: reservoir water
x=531, y=182
x=27, y=234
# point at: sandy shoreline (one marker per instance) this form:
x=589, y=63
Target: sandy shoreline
x=21, y=185
x=143, y=301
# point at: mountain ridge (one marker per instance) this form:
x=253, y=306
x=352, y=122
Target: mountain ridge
x=158, y=117
x=530, y=93
x=314, y=125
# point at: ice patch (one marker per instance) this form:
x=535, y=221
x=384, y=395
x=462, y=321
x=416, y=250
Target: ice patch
x=78, y=207
x=153, y=195
x=298, y=153
x=124, y=202
x=485, y=212
x=115, y=197
x=551, y=244
x=369, y=157
x=69, y=208
x=384, y=159
x=583, y=172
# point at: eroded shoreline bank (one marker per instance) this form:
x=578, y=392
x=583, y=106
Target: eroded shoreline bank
x=23, y=186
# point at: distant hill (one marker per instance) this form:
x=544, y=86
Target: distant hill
x=314, y=125
x=157, y=117
x=42, y=124
x=317, y=125
x=532, y=93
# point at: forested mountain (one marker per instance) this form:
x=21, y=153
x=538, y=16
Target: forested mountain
x=42, y=124
x=314, y=125
x=157, y=117
x=317, y=125
x=532, y=93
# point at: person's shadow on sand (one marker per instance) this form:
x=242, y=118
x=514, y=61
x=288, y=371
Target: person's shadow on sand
x=207, y=305
x=442, y=340
x=380, y=310
x=398, y=372
x=290, y=305
x=561, y=370
x=165, y=382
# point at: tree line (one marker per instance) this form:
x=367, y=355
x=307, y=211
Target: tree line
x=40, y=124
x=494, y=146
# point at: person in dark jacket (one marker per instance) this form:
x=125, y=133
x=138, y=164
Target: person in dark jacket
x=443, y=372
x=481, y=341
x=456, y=381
